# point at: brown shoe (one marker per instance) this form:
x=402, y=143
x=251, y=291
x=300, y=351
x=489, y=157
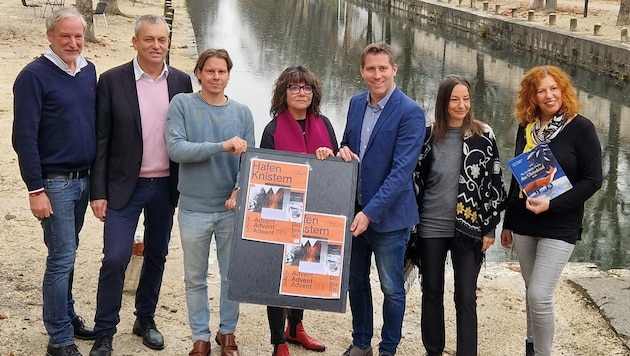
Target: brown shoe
x=200, y=348
x=228, y=344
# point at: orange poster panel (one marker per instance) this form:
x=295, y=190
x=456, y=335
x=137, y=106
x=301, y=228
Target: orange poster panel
x=310, y=285
x=267, y=172
x=325, y=226
x=276, y=197
x=313, y=266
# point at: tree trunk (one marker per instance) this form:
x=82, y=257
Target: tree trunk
x=551, y=6
x=537, y=5
x=112, y=7
x=624, y=13
x=84, y=7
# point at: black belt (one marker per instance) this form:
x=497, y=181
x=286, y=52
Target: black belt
x=68, y=175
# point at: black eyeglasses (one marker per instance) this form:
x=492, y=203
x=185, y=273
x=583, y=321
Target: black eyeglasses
x=295, y=89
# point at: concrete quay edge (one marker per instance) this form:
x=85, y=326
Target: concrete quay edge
x=610, y=293
x=595, y=55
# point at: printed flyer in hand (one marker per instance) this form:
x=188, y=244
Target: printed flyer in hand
x=538, y=173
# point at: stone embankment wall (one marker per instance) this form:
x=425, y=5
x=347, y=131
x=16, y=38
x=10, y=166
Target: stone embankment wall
x=595, y=55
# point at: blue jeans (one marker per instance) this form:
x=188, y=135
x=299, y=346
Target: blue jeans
x=153, y=196
x=69, y=199
x=389, y=252
x=542, y=261
x=196, y=230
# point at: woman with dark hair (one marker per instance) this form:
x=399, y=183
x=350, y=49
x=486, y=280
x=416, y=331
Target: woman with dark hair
x=297, y=126
x=460, y=198
x=544, y=232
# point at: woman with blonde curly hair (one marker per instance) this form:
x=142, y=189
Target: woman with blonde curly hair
x=543, y=231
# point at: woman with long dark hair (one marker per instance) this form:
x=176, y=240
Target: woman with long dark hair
x=460, y=198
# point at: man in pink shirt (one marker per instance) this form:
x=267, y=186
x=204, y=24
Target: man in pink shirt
x=131, y=175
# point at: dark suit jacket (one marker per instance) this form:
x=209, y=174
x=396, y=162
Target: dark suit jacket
x=389, y=160
x=116, y=167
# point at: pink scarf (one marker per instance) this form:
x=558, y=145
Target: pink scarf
x=289, y=135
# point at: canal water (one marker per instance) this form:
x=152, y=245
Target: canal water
x=265, y=36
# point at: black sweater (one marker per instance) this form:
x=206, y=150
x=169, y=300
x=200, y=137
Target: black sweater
x=578, y=152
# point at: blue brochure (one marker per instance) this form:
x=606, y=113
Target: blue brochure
x=539, y=174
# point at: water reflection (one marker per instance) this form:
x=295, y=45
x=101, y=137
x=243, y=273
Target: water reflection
x=265, y=36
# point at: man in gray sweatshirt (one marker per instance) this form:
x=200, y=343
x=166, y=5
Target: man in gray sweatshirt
x=206, y=133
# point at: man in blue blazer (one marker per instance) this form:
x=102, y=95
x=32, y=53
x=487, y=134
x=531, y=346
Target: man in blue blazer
x=132, y=174
x=384, y=131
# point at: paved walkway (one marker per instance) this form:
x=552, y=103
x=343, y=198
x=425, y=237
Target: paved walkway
x=610, y=292
x=602, y=12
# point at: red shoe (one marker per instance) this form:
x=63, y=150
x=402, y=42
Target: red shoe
x=303, y=339
x=281, y=350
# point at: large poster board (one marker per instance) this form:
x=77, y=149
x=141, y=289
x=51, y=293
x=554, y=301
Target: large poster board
x=291, y=237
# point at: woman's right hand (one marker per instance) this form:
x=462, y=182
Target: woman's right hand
x=323, y=153
x=506, y=238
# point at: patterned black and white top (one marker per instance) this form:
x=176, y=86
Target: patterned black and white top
x=481, y=194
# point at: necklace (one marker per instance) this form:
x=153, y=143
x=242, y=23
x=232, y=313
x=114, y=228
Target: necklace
x=302, y=123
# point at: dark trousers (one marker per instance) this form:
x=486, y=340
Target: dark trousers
x=466, y=265
x=277, y=317
x=151, y=195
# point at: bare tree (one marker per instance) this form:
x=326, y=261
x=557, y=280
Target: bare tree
x=624, y=13
x=84, y=7
x=538, y=4
x=551, y=5
x=112, y=7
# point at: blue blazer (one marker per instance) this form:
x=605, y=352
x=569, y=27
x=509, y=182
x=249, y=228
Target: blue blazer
x=389, y=160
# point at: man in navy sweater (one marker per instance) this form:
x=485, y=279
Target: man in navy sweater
x=53, y=135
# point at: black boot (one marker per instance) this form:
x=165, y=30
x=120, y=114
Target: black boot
x=529, y=348
x=70, y=350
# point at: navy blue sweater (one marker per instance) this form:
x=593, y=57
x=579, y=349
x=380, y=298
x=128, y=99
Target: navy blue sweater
x=54, y=116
